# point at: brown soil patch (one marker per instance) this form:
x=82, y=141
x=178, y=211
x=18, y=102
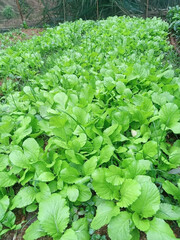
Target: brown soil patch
x=175, y=44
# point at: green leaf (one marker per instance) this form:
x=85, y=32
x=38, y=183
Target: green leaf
x=84, y=193
x=61, y=98
x=31, y=150
x=114, y=175
x=3, y=161
x=160, y=230
x=81, y=229
x=129, y=192
x=7, y=180
x=73, y=193
x=89, y=166
x=23, y=198
x=4, y=204
x=169, y=114
x=170, y=188
x=106, y=154
x=148, y=202
x=150, y=148
x=119, y=227
x=44, y=192
x=69, y=235
x=46, y=177
x=168, y=212
x=105, y=211
x=9, y=219
x=81, y=115
x=34, y=231
x=53, y=215
x=69, y=175
x=18, y=159
x=141, y=224
x=136, y=168
x=104, y=189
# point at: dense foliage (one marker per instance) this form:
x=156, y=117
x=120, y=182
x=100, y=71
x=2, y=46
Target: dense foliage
x=89, y=131
x=173, y=18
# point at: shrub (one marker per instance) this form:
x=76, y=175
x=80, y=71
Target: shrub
x=8, y=12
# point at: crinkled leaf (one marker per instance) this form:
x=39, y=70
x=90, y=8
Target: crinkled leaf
x=114, y=175
x=170, y=188
x=148, y=202
x=53, y=215
x=129, y=192
x=104, y=189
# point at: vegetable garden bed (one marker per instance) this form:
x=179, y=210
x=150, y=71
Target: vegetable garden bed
x=84, y=119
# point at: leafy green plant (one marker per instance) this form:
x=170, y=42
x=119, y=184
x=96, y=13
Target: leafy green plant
x=8, y=12
x=85, y=115
x=173, y=17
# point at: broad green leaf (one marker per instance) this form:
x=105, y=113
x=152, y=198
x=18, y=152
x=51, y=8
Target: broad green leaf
x=119, y=227
x=53, y=215
x=89, y=166
x=168, y=212
x=31, y=150
x=129, y=192
x=84, y=193
x=171, y=189
x=150, y=149
x=176, y=128
x=24, y=197
x=169, y=114
x=136, y=168
x=9, y=219
x=81, y=229
x=4, y=204
x=141, y=224
x=104, y=189
x=69, y=235
x=106, y=154
x=69, y=175
x=105, y=211
x=72, y=193
x=7, y=180
x=160, y=230
x=18, y=159
x=114, y=175
x=34, y=231
x=81, y=115
x=3, y=161
x=148, y=202
x=46, y=177
x=61, y=98
x=44, y=192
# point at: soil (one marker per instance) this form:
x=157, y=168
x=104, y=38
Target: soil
x=175, y=44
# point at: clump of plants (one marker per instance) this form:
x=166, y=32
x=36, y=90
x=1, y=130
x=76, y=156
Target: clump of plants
x=8, y=12
x=89, y=132
x=173, y=17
